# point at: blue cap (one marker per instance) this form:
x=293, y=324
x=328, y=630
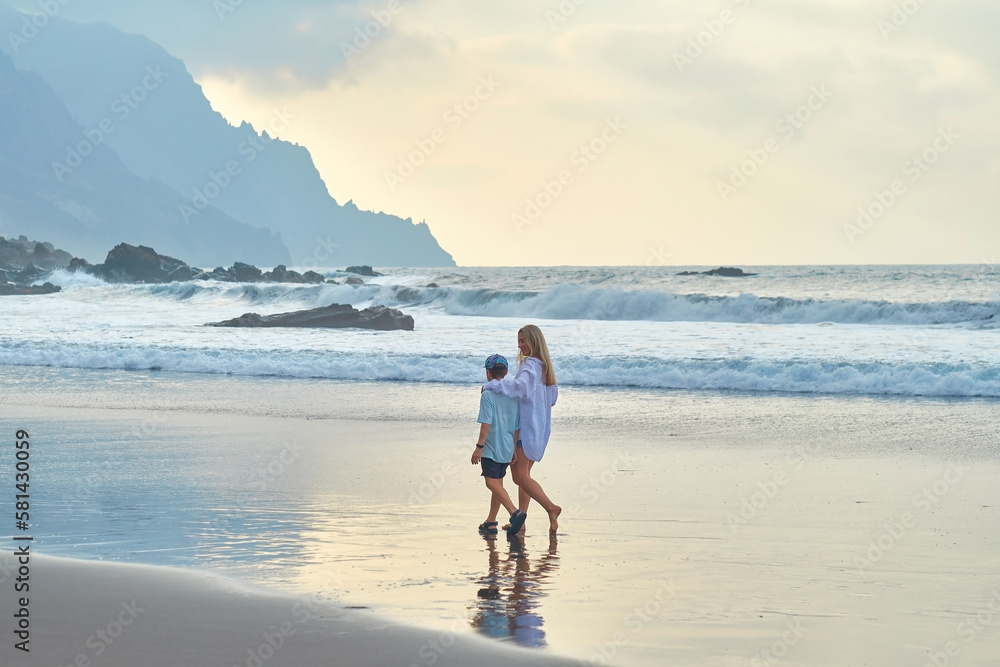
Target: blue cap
x=496, y=360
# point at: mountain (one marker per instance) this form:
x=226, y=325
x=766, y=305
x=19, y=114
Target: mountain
x=97, y=202
x=166, y=129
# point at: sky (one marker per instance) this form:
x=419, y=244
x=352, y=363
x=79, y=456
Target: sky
x=579, y=132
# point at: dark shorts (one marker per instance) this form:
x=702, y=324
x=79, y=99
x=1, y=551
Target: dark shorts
x=493, y=469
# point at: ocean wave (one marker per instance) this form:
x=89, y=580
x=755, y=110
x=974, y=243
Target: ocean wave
x=586, y=303
x=69, y=279
x=572, y=302
x=262, y=294
x=751, y=375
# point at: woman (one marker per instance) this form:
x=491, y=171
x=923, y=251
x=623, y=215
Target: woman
x=535, y=388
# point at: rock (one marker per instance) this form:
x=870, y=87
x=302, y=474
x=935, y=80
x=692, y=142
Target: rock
x=432, y=285
x=724, y=271
x=78, y=264
x=183, y=273
x=281, y=274
x=335, y=316
x=17, y=253
x=331, y=281
x=137, y=264
x=11, y=290
x=245, y=273
x=363, y=270
x=354, y=281
x=312, y=277
x=28, y=275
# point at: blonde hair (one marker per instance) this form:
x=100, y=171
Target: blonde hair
x=539, y=349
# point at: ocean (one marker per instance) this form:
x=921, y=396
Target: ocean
x=809, y=448
x=894, y=330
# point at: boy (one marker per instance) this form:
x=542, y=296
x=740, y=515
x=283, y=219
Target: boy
x=500, y=424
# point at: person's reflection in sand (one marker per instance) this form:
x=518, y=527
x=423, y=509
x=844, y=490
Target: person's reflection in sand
x=508, y=599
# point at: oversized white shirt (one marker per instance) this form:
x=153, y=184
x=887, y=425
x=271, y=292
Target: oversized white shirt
x=535, y=399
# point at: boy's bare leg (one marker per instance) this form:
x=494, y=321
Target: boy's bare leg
x=499, y=496
x=494, y=506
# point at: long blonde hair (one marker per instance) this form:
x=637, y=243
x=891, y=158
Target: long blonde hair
x=537, y=348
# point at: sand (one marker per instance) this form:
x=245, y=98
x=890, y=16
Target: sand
x=87, y=613
x=700, y=528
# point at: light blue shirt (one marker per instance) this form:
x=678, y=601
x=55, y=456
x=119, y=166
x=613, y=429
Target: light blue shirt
x=504, y=417
x=536, y=401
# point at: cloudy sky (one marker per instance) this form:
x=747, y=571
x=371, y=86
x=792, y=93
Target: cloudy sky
x=588, y=132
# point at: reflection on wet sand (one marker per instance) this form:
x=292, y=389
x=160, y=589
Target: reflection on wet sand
x=508, y=600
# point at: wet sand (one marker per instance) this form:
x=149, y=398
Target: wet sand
x=701, y=529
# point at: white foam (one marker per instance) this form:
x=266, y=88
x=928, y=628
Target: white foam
x=587, y=303
x=70, y=279
x=812, y=377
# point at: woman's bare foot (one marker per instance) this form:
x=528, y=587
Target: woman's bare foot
x=554, y=518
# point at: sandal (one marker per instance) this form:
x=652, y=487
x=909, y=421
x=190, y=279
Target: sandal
x=488, y=527
x=517, y=520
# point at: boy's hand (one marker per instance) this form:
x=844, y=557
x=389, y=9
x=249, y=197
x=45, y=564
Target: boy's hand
x=513, y=459
x=477, y=456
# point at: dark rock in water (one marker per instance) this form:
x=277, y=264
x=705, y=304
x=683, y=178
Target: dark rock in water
x=182, y=274
x=13, y=290
x=724, y=271
x=433, y=285
x=138, y=264
x=313, y=277
x=363, y=270
x=219, y=273
x=728, y=272
x=245, y=273
x=335, y=316
x=77, y=264
x=354, y=281
x=331, y=281
x=28, y=275
x=15, y=254
x=281, y=274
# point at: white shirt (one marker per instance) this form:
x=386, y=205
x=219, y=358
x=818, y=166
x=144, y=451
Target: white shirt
x=535, y=399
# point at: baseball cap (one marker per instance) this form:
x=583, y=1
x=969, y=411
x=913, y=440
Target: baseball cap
x=496, y=360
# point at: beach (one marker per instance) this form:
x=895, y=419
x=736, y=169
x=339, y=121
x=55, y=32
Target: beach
x=717, y=528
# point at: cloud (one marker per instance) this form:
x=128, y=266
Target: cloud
x=892, y=91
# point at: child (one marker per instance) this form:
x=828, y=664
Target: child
x=500, y=423
x=535, y=388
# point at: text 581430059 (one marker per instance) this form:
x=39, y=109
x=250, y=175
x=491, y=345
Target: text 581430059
x=22, y=541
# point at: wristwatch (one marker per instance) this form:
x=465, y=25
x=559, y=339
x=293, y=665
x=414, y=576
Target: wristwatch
x=480, y=446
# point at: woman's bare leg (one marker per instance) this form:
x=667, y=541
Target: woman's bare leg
x=521, y=472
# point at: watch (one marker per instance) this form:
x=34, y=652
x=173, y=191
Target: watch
x=480, y=446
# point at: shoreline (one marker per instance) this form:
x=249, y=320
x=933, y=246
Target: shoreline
x=119, y=614
x=721, y=518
